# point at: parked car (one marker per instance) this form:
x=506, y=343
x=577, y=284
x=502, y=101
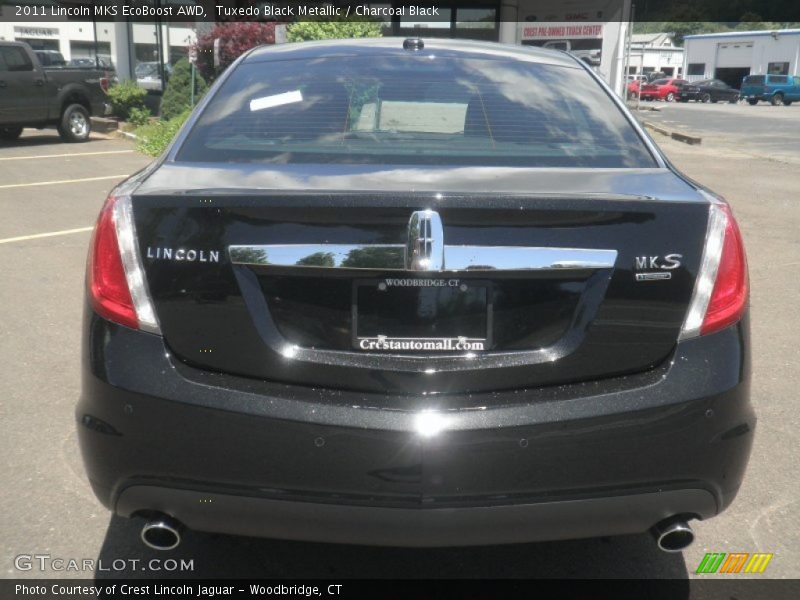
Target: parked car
x=148, y=76
x=662, y=89
x=106, y=65
x=50, y=58
x=708, y=90
x=634, y=81
x=415, y=293
x=31, y=96
x=776, y=89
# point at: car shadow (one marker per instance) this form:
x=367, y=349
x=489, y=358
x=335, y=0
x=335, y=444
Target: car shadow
x=222, y=556
x=44, y=137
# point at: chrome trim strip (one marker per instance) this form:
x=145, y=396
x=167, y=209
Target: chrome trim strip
x=525, y=258
x=392, y=257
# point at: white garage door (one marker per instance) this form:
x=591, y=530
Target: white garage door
x=734, y=54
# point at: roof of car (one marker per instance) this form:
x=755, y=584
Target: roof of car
x=393, y=46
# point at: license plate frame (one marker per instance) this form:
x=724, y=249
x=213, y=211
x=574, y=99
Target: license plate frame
x=368, y=334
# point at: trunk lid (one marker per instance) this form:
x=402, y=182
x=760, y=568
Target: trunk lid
x=578, y=281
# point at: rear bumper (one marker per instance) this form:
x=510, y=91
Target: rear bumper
x=462, y=526
x=230, y=455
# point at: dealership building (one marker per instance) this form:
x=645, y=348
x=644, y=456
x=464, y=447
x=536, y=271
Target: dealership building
x=121, y=43
x=594, y=30
x=734, y=55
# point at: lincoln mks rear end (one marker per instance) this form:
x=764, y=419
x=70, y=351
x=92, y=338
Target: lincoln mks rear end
x=415, y=293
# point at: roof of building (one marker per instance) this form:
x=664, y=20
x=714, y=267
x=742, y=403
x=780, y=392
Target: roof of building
x=743, y=33
x=651, y=38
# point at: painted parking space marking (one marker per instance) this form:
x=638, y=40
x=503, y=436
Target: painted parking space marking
x=63, y=181
x=67, y=155
x=37, y=236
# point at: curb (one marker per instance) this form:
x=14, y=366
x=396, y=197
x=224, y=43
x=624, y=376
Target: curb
x=686, y=138
x=125, y=135
x=104, y=125
x=642, y=107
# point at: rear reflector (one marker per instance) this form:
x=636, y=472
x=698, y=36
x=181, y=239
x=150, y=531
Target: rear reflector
x=721, y=290
x=116, y=280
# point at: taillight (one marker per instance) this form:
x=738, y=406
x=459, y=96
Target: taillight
x=721, y=290
x=104, y=83
x=117, y=286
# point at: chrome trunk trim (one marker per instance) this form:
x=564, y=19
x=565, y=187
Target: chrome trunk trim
x=396, y=257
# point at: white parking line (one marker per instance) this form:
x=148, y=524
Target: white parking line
x=67, y=155
x=36, y=236
x=21, y=185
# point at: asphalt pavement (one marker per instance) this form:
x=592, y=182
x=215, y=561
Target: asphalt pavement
x=760, y=131
x=50, y=194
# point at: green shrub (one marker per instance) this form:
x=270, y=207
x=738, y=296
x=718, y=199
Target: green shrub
x=304, y=31
x=126, y=96
x=139, y=117
x=178, y=95
x=153, y=138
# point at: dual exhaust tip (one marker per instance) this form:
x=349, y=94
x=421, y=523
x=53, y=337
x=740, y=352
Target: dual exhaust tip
x=672, y=535
x=164, y=533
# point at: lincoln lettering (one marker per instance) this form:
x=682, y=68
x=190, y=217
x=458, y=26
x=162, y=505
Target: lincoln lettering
x=182, y=254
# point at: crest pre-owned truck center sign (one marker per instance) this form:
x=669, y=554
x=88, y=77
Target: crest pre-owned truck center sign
x=551, y=31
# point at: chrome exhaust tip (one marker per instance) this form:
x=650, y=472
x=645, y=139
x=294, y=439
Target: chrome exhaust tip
x=673, y=535
x=162, y=533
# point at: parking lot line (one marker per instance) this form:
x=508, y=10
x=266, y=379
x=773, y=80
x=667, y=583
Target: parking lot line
x=67, y=155
x=21, y=185
x=36, y=236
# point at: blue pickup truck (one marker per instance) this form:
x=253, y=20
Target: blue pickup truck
x=777, y=89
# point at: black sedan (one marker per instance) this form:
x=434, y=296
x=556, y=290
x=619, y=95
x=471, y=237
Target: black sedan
x=419, y=293
x=708, y=90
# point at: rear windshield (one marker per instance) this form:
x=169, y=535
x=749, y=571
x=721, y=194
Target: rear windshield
x=414, y=110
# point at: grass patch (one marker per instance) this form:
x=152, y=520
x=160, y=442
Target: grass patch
x=154, y=137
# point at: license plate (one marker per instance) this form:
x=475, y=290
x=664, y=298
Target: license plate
x=421, y=315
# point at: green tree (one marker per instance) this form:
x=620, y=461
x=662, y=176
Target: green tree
x=305, y=31
x=178, y=95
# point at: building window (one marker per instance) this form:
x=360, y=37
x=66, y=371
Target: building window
x=778, y=68
x=696, y=69
x=481, y=22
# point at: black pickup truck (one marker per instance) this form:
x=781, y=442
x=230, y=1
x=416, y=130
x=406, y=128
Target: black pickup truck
x=32, y=96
